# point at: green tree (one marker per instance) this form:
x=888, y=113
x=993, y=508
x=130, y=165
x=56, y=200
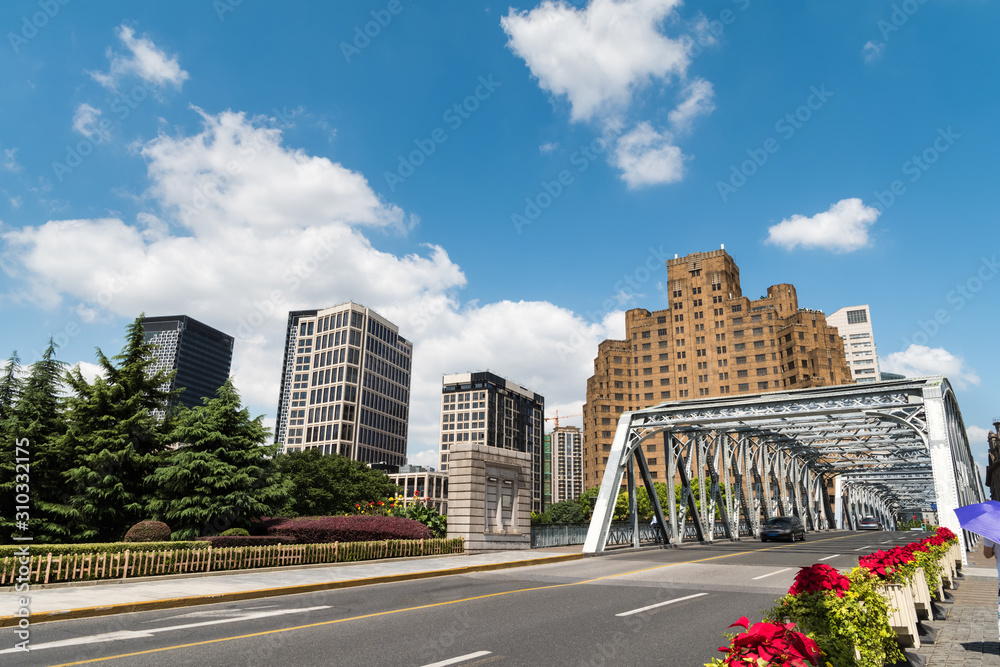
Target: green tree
x=588, y=499
x=567, y=511
x=10, y=390
x=38, y=418
x=221, y=474
x=114, y=438
x=10, y=394
x=328, y=485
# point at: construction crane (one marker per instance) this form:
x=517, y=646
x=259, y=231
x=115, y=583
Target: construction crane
x=556, y=418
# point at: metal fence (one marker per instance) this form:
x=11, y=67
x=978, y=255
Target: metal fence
x=560, y=535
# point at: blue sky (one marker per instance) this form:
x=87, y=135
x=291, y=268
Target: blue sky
x=496, y=178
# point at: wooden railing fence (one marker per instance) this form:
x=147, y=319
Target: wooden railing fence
x=44, y=568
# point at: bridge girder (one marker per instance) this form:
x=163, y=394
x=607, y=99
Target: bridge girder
x=884, y=447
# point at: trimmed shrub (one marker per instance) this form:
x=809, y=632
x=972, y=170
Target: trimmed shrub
x=99, y=548
x=235, y=531
x=218, y=541
x=148, y=531
x=352, y=528
x=263, y=525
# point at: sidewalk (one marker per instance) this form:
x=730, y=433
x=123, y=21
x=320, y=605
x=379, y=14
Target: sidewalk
x=61, y=602
x=969, y=637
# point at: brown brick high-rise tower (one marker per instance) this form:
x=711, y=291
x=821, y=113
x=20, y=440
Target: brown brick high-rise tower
x=712, y=341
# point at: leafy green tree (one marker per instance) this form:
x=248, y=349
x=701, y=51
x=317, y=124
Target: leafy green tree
x=38, y=418
x=588, y=499
x=221, y=474
x=540, y=518
x=114, y=438
x=329, y=485
x=567, y=511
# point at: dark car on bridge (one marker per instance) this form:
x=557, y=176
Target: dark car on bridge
x=869, y=523
x=783, y=528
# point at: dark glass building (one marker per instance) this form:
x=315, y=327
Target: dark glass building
x=486, y=409
x=201, y=355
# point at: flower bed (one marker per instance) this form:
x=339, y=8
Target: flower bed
x=854, y=620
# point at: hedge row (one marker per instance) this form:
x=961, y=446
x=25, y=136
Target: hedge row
x=219, y=541
x=98, y=547
x=351, y=528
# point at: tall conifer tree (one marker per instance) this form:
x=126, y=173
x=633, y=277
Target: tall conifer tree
x=39, y=417
x=221, y=475
x=115, y=438
x=10, y=393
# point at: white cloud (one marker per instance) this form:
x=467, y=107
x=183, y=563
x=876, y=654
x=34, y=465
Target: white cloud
x=246, y=229
x=977, y=436
x=602, y=58
x=548, y=147
x=597, y=56
x=872, y=50
x=10, y=160
x=843, y=228
x=86, y=121
x=90, y=371
x=920, y=361
x=235, y=172
x=647, y=157
x=144, y=60
x=698, y=101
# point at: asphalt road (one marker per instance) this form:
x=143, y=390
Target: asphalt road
x=662, y=606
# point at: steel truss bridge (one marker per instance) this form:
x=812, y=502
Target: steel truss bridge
x=879, y=448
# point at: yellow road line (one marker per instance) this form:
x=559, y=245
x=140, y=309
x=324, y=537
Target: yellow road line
x=426, y=606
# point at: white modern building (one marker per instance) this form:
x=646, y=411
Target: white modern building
x=563, y=465
x=420, y=484
x=855, y=326
x=345, y=385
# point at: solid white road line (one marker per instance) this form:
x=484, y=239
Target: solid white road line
x=828, y=557
x=461, y=658
x=771, y=574
x=661, y=604
x=137, y=634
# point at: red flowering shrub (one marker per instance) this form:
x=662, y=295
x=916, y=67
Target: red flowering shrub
x=820, y=578
x=770, y=644
x=351, y=528
x=946, y=534
x=892, y=564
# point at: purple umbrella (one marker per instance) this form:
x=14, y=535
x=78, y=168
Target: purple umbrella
x=981, y=519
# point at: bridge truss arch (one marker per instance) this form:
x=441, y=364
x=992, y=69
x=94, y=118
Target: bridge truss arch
x=882, y=447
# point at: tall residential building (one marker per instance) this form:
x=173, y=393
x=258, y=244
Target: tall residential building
x=563, y=467
x=486, y=409
x=711, y=341
x=201, y=355
x=345, y=385
x=855, y=326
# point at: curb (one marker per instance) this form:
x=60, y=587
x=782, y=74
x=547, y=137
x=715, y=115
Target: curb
x=174, y=603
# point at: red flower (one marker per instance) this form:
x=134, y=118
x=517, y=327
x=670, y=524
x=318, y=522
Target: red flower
x=820, y=578
x=776, y=644
x=946, y=534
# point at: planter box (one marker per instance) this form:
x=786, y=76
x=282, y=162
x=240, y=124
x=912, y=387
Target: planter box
x=948, y=571
x=902, y=613
x=921, y=595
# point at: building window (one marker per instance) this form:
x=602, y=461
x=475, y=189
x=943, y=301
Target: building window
x=857, y=317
